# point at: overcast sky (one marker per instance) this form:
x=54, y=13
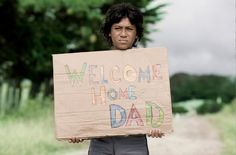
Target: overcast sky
x=199, y=36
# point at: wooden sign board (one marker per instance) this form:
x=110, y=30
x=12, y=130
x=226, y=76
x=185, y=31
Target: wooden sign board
x=107, y=93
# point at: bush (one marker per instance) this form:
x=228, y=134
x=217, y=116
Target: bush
x=209, y=106
x=179, y=109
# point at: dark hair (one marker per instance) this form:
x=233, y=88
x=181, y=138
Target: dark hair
x=118, y=12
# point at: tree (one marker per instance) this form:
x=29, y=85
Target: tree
x=33, y=30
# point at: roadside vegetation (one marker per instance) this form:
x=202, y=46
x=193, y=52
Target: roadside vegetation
x=31, y=132
x=225, y=121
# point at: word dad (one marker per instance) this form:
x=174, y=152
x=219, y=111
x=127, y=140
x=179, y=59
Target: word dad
x=134, y=118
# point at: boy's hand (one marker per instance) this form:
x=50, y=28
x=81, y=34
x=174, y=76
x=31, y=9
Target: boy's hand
x=75, y=140
x=156, y=133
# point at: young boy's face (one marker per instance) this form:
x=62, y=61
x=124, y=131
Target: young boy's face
x=123, y=34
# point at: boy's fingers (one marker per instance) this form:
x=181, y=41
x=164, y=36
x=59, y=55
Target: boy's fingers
x=72, y=140
x=153, y=133
x=76, y=140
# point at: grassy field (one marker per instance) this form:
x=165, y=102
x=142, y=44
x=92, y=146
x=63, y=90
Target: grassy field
x=225, y=121
x=31, y=132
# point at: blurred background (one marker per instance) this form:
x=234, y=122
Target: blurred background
x=199, y=36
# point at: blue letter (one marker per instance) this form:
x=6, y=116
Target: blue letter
x=131, y=92
x=114, y=122
x=144, y=75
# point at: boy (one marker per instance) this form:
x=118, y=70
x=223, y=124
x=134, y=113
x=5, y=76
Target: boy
x=122, y=28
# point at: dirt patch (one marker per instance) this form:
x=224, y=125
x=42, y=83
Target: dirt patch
x=193, y=135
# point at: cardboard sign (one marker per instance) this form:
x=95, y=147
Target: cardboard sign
x=107, y=93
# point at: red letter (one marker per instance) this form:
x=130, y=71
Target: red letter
x=123, y=94
x=156, y=70
x=134, y=116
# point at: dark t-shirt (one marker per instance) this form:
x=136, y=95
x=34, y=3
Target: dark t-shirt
x=119, y=145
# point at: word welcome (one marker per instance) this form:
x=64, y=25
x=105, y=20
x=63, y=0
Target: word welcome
x=96, y=74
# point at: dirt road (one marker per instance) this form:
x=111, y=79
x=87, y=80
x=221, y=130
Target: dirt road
x=193, y=135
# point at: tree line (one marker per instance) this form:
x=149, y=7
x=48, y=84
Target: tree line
x=186, y=86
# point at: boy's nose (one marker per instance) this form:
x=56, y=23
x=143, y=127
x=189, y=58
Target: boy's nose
x=123, y=33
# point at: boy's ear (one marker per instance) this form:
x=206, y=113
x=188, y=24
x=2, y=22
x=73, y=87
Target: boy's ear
x=109, y=34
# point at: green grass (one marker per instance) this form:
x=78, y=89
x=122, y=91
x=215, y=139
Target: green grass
x=225, y=121
x=190, y=105
x=31, y=132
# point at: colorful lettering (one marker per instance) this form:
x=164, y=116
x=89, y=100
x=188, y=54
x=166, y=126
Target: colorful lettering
x=92, y=75
x=73, y=76
x=130, y=73
x=102, y=75
x=156, y=69
x=135, y=117
x=123, y=94
x=131, y=92
x=150, y=120
x=101, y=96
x=114, y=122
x=144, y=75
x=112, y=94
x=112, y=76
